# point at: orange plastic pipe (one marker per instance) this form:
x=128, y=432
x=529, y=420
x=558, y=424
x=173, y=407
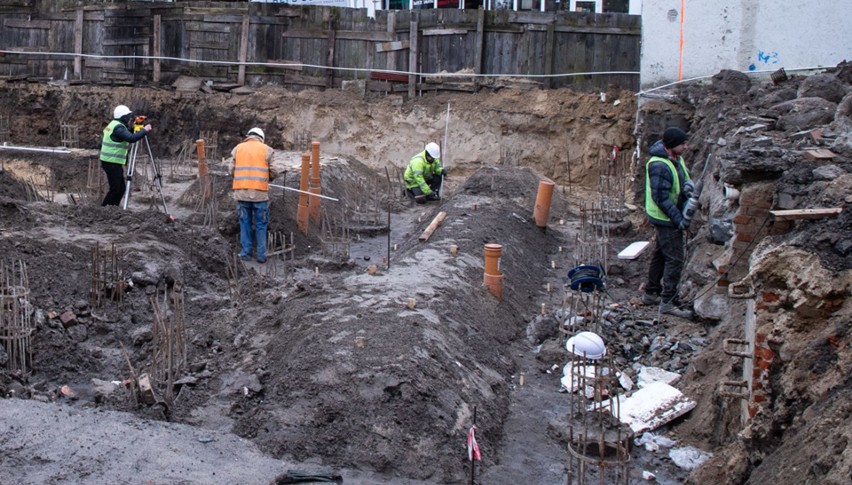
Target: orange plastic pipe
x=541, y=213
x=303, y=212
x=493, y=277
x=314, y=202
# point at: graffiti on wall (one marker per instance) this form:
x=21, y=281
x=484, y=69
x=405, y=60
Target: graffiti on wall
x=764, y=59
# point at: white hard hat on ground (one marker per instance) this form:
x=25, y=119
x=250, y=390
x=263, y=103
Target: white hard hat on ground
x=586, y=344
x=433, y=150
x=121, y=110
x=257, y=132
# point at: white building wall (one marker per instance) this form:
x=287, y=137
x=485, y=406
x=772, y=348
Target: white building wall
x=744, y=35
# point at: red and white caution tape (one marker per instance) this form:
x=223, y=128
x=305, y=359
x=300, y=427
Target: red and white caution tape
x=472, y=446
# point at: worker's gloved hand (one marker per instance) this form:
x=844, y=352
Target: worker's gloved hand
x=688, y=188
x=684, y=224
x=433, y=196
x=445, y=171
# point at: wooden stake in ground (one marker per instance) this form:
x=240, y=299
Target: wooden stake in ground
x=433, y=225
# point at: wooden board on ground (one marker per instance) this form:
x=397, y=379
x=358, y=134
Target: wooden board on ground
x=634, y=250
x=819, y=154
x=433, y=225
x=795, y=214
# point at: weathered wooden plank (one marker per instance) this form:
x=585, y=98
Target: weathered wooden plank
x=412, y=59
x=372, y=36
x=28, y=48
x=332, y=33
x=796, y=214
x=211, y=45
x=103, y=63
x=428, y=32
x=304, y=80
x=548, y=54
x=287, y=65
x=244, y=40
x=396, y=45
x=26, y=24
x=595, y=30
x=206, y=27
x=133, y=41
x=155, y=75
x=78, y=43
x=389, y=76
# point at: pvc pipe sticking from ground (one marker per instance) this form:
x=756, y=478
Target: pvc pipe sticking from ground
x=303, y=213
x=541, y=213
x=493, y=277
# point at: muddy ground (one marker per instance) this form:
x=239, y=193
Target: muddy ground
x=271, y=352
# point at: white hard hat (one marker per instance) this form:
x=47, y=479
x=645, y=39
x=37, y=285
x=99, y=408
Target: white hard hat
x=121, y=110
x=586, y=344
x=256, y=131
x=433, y=150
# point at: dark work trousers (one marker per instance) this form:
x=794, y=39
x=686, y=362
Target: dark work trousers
x=417, y=194
x=666, y=264
x=115, y=179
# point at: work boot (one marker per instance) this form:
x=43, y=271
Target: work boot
x=671, y=309
x=650, y=299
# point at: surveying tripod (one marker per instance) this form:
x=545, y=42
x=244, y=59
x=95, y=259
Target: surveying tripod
x=139, y=123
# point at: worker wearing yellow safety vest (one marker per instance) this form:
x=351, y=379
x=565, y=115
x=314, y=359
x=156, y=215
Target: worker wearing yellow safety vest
x=252, y=172
x=667, y=187
x=115, y=144
x=424, y=175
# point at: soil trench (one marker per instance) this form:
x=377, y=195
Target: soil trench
x=361, y=349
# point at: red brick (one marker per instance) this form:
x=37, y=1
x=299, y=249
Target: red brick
x=744, y=237
x=758, y=398
x=759, y=338
x=752, y=411
x=743, y=219
x=769, y=297
x=759, y=212
x=739, y=246
x=763, y=353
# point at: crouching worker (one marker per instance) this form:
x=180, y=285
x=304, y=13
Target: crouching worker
x=424, y=175
x=252, y=173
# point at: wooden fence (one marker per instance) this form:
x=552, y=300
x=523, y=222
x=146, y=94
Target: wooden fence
x=247, y=43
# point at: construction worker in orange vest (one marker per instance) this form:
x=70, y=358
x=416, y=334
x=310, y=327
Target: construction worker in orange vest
x=252, y=173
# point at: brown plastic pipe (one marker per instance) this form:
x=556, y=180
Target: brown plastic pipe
x=302, y=214
x=541, y=213
x=493, y=277
x=314, y=202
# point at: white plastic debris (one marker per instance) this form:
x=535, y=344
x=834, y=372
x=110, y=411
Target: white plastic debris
x=688, y=457
x=571, y=378
x=651, y=407
x=648, y=476
x=653, y=442
x=625, y=381
x=648, y=375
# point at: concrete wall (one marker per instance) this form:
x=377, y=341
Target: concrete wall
x=745, y=35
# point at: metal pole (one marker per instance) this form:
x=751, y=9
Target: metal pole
x=472, y=461
x=390, y=191
x=157, y=178
x=130, y=168
x=444, y=150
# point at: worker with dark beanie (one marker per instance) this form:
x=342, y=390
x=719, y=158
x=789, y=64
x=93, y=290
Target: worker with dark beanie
x=667, y=187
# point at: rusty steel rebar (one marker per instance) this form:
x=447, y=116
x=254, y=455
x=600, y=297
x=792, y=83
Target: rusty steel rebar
x=16, y=324
x=597, y=440
x=168, y=358
x=109, y=280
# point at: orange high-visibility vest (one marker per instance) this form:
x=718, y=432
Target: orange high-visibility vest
x=250, y=168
